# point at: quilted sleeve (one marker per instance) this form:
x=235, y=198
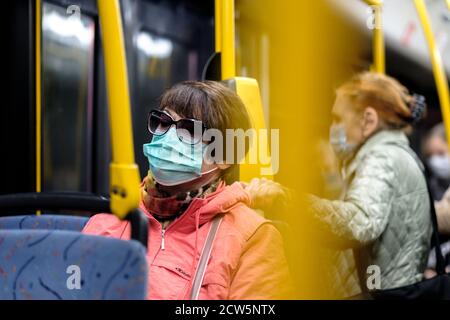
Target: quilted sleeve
x=361, y=217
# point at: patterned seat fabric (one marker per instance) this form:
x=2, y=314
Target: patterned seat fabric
x=58, y=222
x=65, y=265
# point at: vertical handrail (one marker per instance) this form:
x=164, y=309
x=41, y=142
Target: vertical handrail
x=124, y=174
x=225, y=37
x=378, y=46
x=38, y=108
x=378, y=42
x=437, y=65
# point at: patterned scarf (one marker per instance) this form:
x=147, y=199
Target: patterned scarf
x=164, y=206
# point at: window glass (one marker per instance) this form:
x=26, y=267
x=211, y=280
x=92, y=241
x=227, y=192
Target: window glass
x=67, y=99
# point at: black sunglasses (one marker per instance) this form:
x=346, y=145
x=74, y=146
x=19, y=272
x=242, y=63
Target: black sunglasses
x=188, y=130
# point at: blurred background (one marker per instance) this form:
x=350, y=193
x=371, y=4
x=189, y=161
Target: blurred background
x=299, y=51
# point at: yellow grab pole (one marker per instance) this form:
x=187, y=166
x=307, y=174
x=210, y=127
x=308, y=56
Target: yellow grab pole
x=374, y=2
x=379, y=59
x=378, y=42
x=38, y=98
x=227, y=39
x=438, y=68
x=124, y=174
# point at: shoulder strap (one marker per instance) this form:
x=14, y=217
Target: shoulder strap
x=204, y=257
x=440, y=261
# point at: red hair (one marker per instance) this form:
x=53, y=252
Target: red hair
x=395, y=105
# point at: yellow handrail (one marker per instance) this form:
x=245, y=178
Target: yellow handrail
x=124, y=173
x=38, y=98
x=374, y=2
x=438, y=67
x=378, y=42
x=379, y=59
x=224, y=31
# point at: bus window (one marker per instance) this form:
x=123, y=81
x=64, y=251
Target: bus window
x=67, y=99
x=161, y=62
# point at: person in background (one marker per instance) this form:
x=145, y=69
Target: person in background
x=443, y=213
x=383, y=215
x=435, y=150
x=185, y=195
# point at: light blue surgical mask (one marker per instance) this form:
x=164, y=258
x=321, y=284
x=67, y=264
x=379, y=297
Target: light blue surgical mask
x=440, y=165
x=338, y=140
x=172, y=161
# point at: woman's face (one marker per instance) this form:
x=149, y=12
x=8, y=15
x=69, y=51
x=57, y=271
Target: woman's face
x=358, y=125
x=437, y=157
x=206, y=165
x=436, y=146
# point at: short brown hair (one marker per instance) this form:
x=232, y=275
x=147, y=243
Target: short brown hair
x=396, y=106
x=217, y=106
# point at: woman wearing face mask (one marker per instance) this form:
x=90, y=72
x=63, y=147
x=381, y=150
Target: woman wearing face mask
x=186, y=198
x=382, y=218
x=435, y=149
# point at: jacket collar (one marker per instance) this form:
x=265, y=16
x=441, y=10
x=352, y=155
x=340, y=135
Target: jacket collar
x=221, y=201
x=382, y=137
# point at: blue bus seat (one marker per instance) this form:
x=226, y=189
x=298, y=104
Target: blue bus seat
x=66, y=265
x=45, y=221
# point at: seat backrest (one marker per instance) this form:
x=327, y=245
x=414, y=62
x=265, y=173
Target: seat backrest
x=56, y=222
x=66, y=265
x=248, y=90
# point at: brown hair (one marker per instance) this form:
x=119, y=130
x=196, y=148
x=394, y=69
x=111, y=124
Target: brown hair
x=396, y=106
x=217, y=106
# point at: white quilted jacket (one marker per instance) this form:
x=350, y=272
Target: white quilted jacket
x=383, y=217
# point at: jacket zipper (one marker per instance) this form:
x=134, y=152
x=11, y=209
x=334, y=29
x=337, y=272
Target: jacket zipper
x=163, y=232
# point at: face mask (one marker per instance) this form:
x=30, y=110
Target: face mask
x=440, y=166
x=338, y=140
x=172, y=161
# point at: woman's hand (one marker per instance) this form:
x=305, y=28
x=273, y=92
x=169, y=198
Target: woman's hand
x=443, y=213
x=265, y=193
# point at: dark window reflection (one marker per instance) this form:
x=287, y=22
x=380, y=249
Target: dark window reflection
x=67, y=93
x=161, y=62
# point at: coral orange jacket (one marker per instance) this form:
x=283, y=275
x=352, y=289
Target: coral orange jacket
x=247, y=259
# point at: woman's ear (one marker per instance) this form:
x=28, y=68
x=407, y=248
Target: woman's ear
x=371, y=122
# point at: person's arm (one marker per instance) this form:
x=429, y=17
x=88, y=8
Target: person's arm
x=361, y=217
x=262, y=272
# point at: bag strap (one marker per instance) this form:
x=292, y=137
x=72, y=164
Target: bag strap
x=440, y=260
x=204, y=257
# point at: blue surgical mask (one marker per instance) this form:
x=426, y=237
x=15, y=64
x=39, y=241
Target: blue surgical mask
x=172, y=161
x=440, y=165
x=338, y=140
